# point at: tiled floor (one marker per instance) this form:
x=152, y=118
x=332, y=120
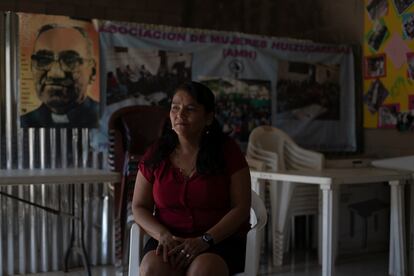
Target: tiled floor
x=300, y=264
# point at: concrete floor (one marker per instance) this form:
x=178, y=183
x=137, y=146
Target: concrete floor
x=298, y=264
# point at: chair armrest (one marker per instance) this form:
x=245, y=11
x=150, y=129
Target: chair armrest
x=136, y=246
x=259, y=211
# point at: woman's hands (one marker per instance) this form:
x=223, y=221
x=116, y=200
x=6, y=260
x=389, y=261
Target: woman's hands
x=185, y=252
x=166, y=243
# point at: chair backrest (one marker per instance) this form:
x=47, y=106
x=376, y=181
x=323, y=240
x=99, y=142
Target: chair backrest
x=290, y=155
x=253, y=243
x=255, y=164
x=133, y=129
x=270, y=139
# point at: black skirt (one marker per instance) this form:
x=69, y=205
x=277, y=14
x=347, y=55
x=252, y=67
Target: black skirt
x=232, y=250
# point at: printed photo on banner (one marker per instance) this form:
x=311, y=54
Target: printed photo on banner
x=59, y=72
x=377, y=8
x=408, y=25
x=375, y=96
x=375, y=66
x=410, y=65
x=405, y=121
x=149, y=76
x=241, y=104
x=377, y=35
x=402, y=5
x=308, y=91
x=387, y=115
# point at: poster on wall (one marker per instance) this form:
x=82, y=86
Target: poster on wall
x=59, y=69
x=388, y=64
x=141, y=64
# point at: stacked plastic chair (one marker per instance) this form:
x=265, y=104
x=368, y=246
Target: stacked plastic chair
x=258, y=221
x=279, y=152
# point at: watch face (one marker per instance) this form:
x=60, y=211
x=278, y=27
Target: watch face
x=208, y=238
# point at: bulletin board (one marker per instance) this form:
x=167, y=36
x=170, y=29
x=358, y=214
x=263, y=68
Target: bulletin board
x=388, y=64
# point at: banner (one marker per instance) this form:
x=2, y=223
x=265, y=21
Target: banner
x=389, y=64
x=306, y=89
x=59, y=72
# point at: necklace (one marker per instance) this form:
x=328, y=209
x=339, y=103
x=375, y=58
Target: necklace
x=180, y=161
x=187, y=174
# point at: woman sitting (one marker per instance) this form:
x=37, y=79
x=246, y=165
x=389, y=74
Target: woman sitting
x=192, y=193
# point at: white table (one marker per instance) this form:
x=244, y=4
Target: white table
x=398, y=163
x=56, y=176
x=328, y=181
x=62, y=176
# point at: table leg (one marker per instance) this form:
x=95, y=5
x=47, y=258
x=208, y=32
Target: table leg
x=328, y=240
x=397, y=230
x=411, y=233
x=77, y=243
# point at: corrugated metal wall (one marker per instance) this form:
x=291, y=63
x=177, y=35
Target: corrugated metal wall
x=32, y=240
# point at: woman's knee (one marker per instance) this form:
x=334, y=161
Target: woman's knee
x=208, y=264
x=152, y=265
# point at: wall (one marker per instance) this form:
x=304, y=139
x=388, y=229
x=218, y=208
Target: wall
x=339, y=21
x=309, y=19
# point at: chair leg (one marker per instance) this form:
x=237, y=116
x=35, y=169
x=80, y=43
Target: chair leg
x=292, y=231
x=307, y=232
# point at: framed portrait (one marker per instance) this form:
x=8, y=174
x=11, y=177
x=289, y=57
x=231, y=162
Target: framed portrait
x=375, y=66
x=410, y=65
x=377, y=35
x=408, y=26
x=59, y=70
x=377, y=8
x=402, y=5
x=388, y=115
x=375, y=96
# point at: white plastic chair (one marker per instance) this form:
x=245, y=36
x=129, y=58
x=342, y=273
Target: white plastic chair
x=257, y=165
x=258, y=218
x=287, y=199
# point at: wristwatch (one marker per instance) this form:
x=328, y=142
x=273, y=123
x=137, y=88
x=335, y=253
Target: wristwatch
x=206, y=237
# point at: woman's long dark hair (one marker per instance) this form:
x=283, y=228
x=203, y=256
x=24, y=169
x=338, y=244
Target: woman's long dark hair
x=210, y=159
